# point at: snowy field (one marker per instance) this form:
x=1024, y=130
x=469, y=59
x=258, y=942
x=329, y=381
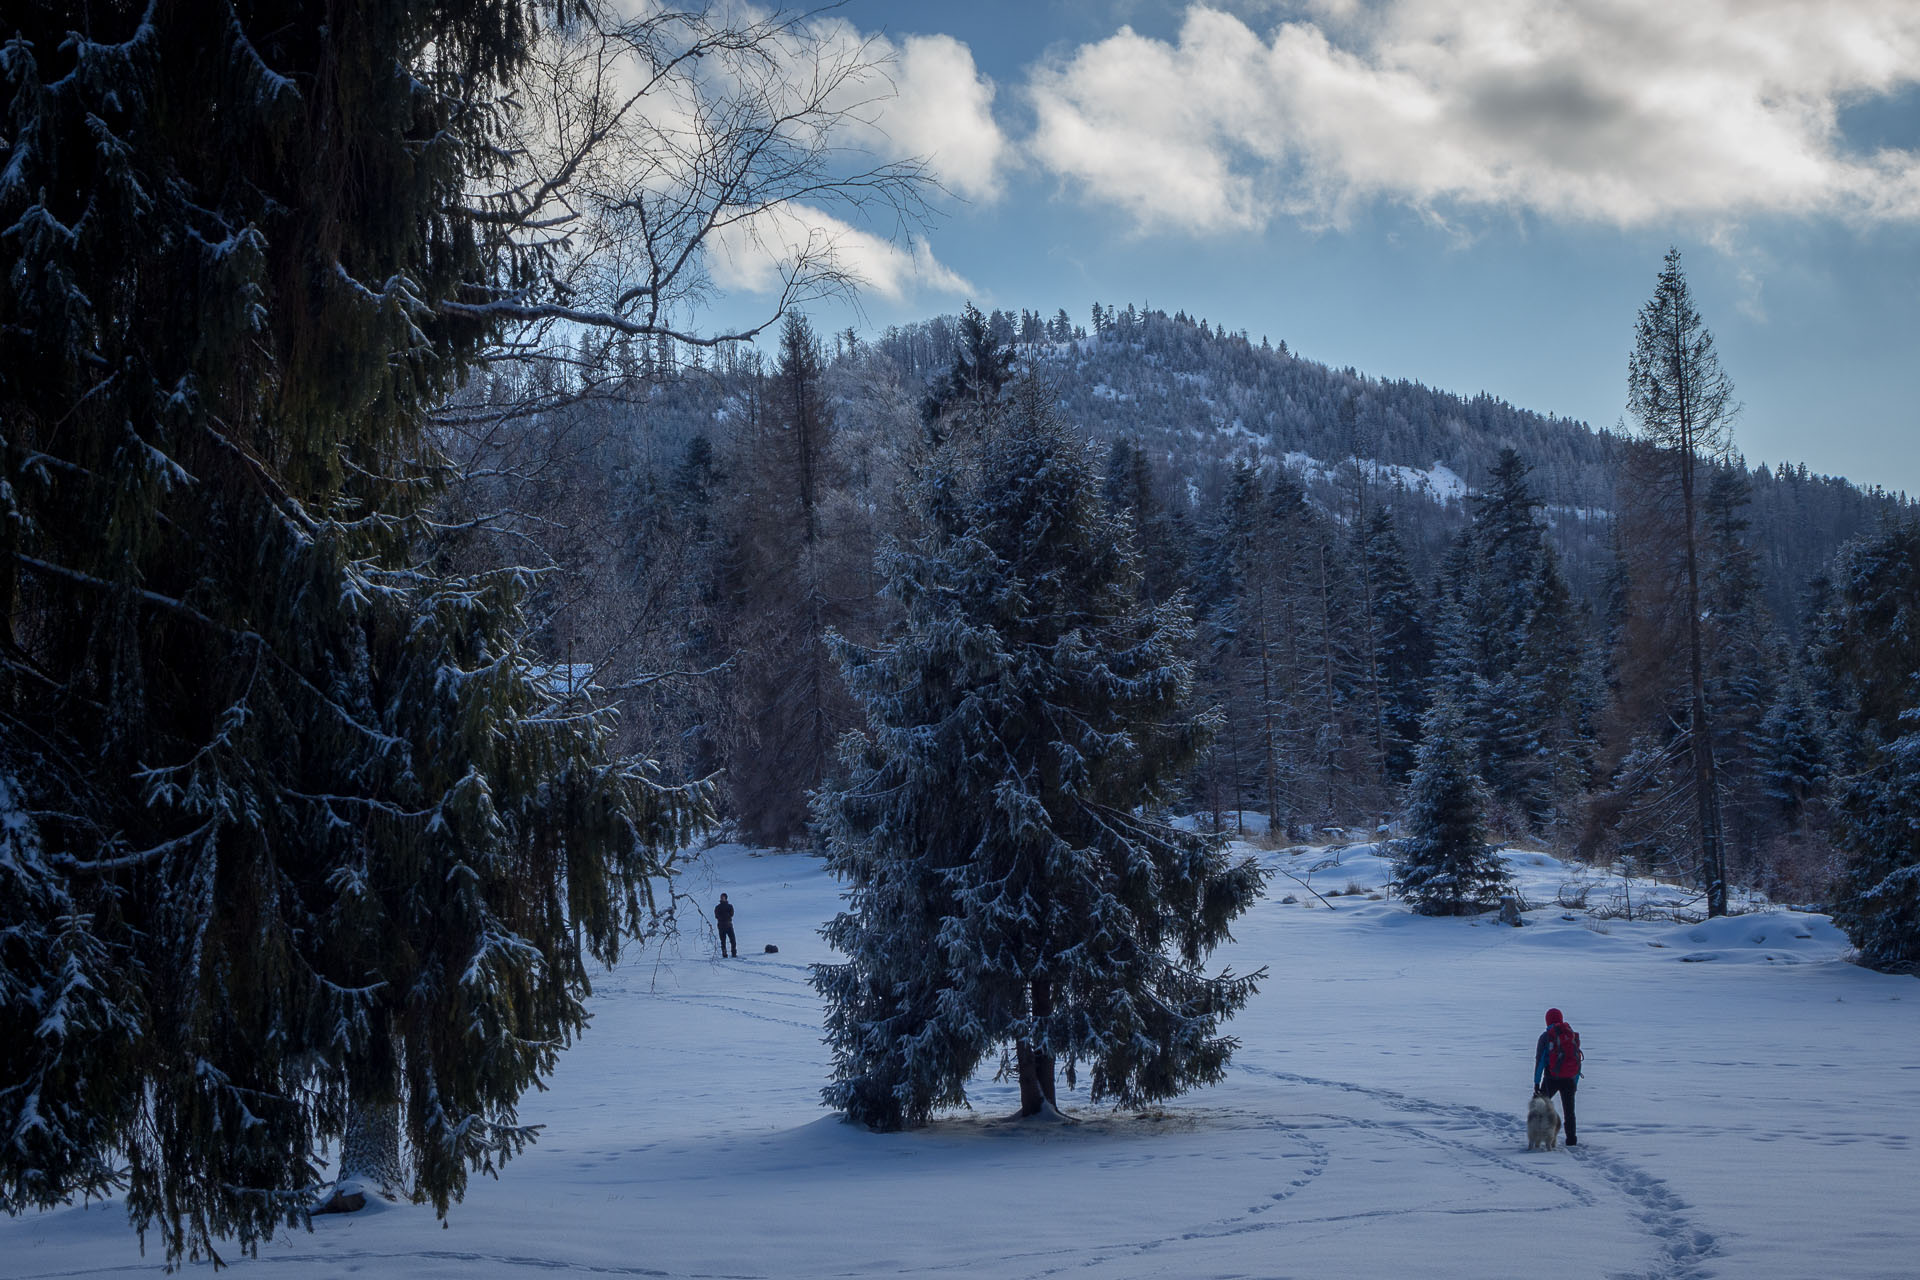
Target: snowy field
x=1749, y=1110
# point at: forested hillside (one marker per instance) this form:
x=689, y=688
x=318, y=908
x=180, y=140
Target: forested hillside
x=1197, y=398
x=1349, y=549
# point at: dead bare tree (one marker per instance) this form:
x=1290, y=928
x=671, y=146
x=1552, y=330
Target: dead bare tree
x=1684, y=404
x=644, y=145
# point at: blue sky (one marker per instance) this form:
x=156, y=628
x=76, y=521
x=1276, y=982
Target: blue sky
x=1476, y=194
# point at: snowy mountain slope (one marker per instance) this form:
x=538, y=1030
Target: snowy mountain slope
x=1749, y=1110
x=1198, y=399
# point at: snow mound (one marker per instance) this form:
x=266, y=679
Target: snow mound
x=1767, y=937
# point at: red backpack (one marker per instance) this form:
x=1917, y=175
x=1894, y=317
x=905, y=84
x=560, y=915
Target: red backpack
x=1563, y=1052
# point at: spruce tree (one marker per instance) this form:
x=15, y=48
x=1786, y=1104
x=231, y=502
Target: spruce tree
x=1871, y=648
x=1743, y=660
x=1792, y=752
x=1401, y=645
x=1444, y=865
x=1129, y=490
x=1879, y=905
x=982, y=365
x=1008, y=886
x=1335, y=663
x=1511, y=648
x=293, y=823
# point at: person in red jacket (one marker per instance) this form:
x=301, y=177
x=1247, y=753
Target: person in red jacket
x=1556, y=1066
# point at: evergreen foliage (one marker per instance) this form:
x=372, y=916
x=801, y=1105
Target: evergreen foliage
x=1793, y=752
x=1286, y=639
x=1444, y=865
x=1006, y=884
x=1513, y=651
x=1401, y=644
x=294, y=824
x=1131, y=490
x=1569, y=669
x=1744, y=660
x=983, y=361
x=1197, y=404
x=1256, y=756
x=1880, y=903
x=1872, y=648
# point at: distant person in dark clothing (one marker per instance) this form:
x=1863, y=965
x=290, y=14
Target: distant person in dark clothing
x=1556, y=1066
x=723, y=914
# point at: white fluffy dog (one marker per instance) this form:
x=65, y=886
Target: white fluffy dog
x=1543, y=1124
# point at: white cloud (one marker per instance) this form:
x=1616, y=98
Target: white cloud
x=850, y=100
x=755, y=256
x=1617, y=111
x=944, y=111
x=924, y=99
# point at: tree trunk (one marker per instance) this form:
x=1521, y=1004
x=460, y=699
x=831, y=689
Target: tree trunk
x=1372, y=640
x=1706, y=782
x=1270, y=736
x=1329, y=753
x=370, y=1161
x=1036, y=1068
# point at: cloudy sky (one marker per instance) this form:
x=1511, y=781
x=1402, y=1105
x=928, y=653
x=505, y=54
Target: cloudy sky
x=1472, y=193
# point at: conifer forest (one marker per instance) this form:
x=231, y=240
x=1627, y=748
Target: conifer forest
x=403, y=568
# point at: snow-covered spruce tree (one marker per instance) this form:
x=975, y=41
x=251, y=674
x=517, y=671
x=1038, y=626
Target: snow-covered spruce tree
x=291, y=826
x=1400, y=646
x=1793, y=751
x=1444, y=865
x=1007, y=886
x=1880, y=903
x=1871, y=647
x=1513, y=651
x=967, y=397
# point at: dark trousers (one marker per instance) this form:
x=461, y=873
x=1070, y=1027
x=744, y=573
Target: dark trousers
x=726, y=936
x=1550, y=1085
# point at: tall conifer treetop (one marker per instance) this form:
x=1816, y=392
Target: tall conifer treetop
x=1007, y=886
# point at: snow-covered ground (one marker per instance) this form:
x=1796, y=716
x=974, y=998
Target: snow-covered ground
x=1749, y=1110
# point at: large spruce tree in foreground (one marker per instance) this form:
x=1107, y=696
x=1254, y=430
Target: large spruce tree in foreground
x=1007, y=886
x=289, y=824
